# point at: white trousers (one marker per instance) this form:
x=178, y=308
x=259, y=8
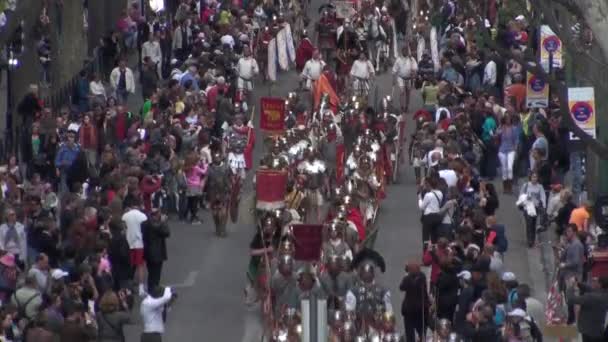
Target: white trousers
x=506, y=164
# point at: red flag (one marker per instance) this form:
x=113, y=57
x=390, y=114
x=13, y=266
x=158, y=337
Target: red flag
x=354, y=215
x=270, y=188
x=308, y=241
x=323, y=86
x=272, y=114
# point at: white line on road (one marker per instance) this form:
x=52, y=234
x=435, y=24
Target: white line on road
x=188, y=282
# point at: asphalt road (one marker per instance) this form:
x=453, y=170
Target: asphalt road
x=209, y=273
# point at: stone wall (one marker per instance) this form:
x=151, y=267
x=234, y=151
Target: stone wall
x=72, y=45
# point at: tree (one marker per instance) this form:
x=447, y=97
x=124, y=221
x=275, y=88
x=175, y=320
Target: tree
x=594, y=13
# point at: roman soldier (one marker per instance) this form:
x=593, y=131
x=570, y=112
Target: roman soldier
x=263, y=40
x=314, y=171
x=304, y=51
x=277, y=159
x=239, y=140
x=262, y=247
x=386, y=127
x=312, y=70
x=335, y=244
x=444, y=333
x=297, y=113
x=366, y=296
x=366, y=184
x=288, y=327
x=246, y=69
x=335, y=282
x=308, y=285
x=299, y=145
x=283, y=283
x=218, y=183
x=347, y=51
x=326, y=31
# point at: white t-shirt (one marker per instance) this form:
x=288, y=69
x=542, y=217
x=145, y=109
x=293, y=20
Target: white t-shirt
x=227, y=40
x=133, y=219
x=151, y=310
x=450, y=177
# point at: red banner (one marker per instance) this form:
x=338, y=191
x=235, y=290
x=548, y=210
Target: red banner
x=272, y=114
x=308, y=243
x=270, y=187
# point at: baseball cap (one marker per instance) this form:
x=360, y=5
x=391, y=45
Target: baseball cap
x=58, y=274
x=466, y=275
x=517, y=313
x=509, y=276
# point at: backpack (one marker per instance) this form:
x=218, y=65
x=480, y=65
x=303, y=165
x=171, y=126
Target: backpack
x=21, y=307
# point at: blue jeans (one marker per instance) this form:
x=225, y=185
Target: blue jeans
x=122, y=96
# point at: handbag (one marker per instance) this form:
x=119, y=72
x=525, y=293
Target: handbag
x=433, y=219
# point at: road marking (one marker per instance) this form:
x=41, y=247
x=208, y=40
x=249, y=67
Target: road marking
x=188, y=282
x=252, y=331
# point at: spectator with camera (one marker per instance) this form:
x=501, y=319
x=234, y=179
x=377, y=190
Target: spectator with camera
x=153, y=309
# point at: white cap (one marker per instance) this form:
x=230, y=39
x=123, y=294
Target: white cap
x=508, y=276
x=58, y=274
x=466, y=275
x=518, y=313
x=520, y=17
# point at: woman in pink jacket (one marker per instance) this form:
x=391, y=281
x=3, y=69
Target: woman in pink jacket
x=195, y=172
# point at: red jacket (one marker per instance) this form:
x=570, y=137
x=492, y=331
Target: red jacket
x=149, y=185
x=433, y=258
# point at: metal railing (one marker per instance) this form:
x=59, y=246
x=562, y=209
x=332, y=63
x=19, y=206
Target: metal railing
x=63, y=95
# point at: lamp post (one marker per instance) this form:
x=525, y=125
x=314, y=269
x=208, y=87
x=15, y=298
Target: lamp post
x=11, y=63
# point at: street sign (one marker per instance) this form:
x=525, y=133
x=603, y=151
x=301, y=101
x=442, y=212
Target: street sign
x=537, y=92
x=581, y=102
x=550, y=48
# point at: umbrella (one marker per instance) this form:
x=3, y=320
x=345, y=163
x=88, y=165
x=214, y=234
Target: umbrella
x=330, y=7
x=367, y=254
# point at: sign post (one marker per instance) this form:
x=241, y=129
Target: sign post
x=550, y=49
x=581, y=102
x=537, y=92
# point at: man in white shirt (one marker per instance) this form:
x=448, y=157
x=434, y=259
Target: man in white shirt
x=13, y=238
x=247, y=68
x=489, y=76
x=449, y=175
x=435, y=155
x=312, y=69
x=405, y=69
x=133, y=218
x=362, y=70
x=122, y=82
x=151, y=309
x=151, y=49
